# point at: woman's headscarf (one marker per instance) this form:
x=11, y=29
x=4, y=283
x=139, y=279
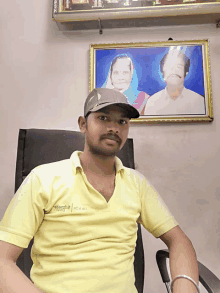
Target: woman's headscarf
x=131, y=92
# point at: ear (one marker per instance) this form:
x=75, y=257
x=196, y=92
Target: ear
x=82, y=124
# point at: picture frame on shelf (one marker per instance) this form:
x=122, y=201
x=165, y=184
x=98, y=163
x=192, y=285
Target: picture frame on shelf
x=165, y=81
x=85, y=5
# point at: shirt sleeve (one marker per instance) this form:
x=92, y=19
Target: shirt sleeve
x=155, y=216
x=25, y=213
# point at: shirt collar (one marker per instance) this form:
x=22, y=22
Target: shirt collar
x=167, y=96
x=118, y=165
x=77, y=164
x=76, y=161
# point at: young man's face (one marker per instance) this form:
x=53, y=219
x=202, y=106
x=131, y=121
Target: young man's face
x=121, y=74
x=174, y=69
x=106, y=131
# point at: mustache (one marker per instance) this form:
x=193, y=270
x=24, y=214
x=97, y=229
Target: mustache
x=112, y=136
x=173, y=74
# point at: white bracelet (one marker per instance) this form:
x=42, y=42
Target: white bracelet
x=185, y=277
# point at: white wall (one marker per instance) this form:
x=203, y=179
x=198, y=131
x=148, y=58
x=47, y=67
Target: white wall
x=44, y=82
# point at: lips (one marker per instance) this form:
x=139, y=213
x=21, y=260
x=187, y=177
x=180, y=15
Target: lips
x=174, y=75
x=111, y=137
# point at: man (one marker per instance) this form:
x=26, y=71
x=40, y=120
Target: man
x=122, y=77
x=175, y=99
x=88, y=245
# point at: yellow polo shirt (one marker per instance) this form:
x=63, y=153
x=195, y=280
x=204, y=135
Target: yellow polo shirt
x=81, y=242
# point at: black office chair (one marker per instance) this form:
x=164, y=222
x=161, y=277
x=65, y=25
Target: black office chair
x=206, y=277
x=40, y=146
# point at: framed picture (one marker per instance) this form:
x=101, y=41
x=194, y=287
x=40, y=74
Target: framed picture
x=165, y=81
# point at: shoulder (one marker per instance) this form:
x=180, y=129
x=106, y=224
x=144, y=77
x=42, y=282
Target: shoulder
x=55, y=169
x=158, y=94
x=134, y=176
x=192, y=94
x=156, y=97
x=154, y=101
x=142, y=95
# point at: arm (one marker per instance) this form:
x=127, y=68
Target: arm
x=182, y=260
x=12, y=280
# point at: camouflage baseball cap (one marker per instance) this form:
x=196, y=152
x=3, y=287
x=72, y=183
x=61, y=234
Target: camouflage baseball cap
x=102, y=97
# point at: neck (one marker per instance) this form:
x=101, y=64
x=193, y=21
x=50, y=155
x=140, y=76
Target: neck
x=97, y=164
x=175, y=91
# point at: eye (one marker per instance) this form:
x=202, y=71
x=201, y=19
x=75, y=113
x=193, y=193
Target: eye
x=103, y=118
x=123, y=122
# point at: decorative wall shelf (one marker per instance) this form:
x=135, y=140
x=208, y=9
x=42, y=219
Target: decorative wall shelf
x=84, y=14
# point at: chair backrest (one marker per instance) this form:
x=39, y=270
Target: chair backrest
x=206, y=277
x=41, y=146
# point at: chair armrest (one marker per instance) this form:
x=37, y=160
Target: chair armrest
x=206, y=277
x=161, y=257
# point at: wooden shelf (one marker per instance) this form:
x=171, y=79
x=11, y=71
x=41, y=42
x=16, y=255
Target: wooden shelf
x=159, y=15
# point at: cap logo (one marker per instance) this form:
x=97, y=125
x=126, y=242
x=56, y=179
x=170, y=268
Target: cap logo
x=99, y=96
x=90, y=99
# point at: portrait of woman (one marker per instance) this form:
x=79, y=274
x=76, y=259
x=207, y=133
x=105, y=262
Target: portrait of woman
x=122, y=76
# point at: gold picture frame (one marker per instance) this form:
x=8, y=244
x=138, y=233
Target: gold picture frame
x=166, y=81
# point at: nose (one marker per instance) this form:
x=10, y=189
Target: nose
x=113, y=127
x=121, y=75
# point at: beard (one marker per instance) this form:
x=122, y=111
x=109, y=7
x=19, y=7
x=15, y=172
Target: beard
x=102, y=151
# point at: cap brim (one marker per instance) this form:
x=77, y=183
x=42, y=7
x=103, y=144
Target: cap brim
x=132, y=112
